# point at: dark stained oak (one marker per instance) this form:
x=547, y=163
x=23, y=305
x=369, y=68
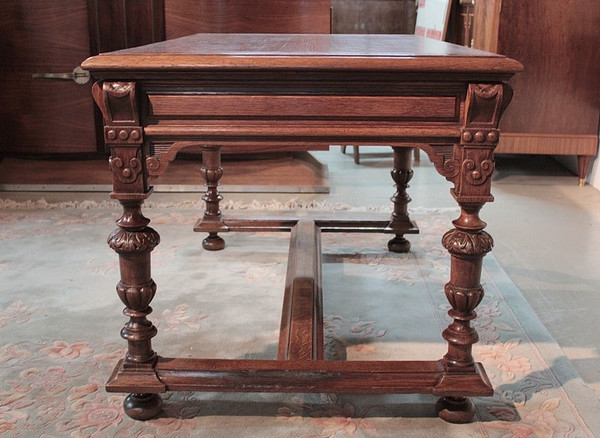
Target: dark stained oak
x=213, y=91
x=397, y=53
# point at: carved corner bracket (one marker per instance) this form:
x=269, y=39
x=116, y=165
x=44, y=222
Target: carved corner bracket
x=158, y=163
x=469, y=163
x=118, y=104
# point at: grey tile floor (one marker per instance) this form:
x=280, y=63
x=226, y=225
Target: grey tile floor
x=546, y=231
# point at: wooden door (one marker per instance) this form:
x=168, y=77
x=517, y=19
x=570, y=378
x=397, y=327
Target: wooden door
x=41, y=116
x=41, y=37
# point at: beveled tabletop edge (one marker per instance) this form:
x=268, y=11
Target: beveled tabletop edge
x=302, y=52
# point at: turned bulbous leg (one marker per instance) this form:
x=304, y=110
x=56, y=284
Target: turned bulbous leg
x=399, y=244
x=455, y=409
x=212, y=173
x=467, y=243
x=213, y=242
x=401, y=174
x=142, y=406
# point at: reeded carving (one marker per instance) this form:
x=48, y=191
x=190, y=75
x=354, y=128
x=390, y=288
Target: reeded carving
x=463, y=300
x=137, y=298
x=123, y=241
x=459, y=242
x=211, y=176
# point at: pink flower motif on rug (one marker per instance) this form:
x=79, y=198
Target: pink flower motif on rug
x=177, y=319
x=53, y=380
x=16, y=313
x=333, y=419
x=539, y=423
x=499, y=356
x=49, y=410
x=93, y=416
x=12, y=410
x=342, y=334
x=11, y=352
x=64, y=350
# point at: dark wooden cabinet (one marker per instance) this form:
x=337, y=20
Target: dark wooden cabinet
x=556, y=108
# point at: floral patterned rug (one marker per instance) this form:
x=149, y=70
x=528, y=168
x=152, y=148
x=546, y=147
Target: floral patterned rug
x=60, y=320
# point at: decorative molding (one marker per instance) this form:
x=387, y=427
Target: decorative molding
x=484, y=104
x=463, y=300
x=125, y=173
x=123, y=241
x=477, y=173
x=137, y=298
x=123, y=135
x=459, y=242
x=118, y=104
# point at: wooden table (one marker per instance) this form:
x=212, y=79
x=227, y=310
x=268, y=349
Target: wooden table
x=211, y=90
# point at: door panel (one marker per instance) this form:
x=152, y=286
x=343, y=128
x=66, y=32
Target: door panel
x=41, y=115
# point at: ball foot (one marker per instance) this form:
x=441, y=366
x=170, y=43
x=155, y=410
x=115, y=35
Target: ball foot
x=455, y=409
x=142, y=406
x=213, y=242
x=399, y=244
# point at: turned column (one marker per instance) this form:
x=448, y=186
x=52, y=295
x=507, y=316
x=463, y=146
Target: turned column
x=134, y=241
x=469, y=165
x=467, y=243
x=212, y=173
x=401, y=174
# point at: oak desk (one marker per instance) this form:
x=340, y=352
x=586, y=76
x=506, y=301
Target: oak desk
x=211, y=90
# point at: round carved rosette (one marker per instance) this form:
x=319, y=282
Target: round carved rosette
x=123, y=241
x=459, y=242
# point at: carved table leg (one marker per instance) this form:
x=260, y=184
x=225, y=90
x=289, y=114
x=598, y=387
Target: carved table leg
x=212, y=173
x=134, y=241
x=401, y=174
x=467, y=243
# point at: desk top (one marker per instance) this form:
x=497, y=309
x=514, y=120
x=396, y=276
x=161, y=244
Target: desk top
x=303, y=52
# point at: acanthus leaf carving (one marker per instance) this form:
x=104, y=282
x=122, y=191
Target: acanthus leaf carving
x=123, y=241
x=459, y=242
